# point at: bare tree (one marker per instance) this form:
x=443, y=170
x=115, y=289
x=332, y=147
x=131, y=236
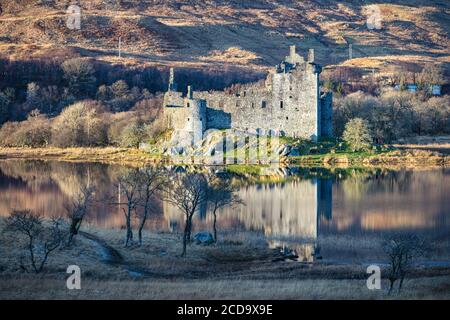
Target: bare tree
x=42, y=240
x=187, y=192
x=80, y=75
x=431, y=75
x=152, y=180
x=129, y=186
x=401, y=250
x=80, y=124
x=78, y=209
x=221, y=193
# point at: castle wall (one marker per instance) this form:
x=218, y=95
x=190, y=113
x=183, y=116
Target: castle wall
x=283, y=210
x=242, y=111
x=327, y=114
x=288, y=104
x=196, y=118
x=187, y=116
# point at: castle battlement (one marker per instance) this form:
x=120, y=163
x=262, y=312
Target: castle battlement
x=289, y=104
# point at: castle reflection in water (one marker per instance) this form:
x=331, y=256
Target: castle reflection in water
x=289, y=214
x=293, y=213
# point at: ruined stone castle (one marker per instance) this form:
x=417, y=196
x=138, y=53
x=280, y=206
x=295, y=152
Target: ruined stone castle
x=288, y=103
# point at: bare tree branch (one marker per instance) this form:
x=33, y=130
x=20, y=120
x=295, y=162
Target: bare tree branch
x=401, y=250
x=187, y=192
x=32, y=226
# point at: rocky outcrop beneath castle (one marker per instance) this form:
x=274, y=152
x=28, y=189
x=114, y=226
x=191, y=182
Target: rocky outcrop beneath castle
x=224, y=147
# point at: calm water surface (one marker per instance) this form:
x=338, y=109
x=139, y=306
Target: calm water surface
x=303, y=207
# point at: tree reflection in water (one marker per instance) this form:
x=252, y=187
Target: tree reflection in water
x=292, y=207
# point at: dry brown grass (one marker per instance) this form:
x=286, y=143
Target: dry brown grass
x=434, y=144
x=106, y=155
x=234, y=55
x=226, y=271
x=186, y=33
x=435, y=147
x=27, y=287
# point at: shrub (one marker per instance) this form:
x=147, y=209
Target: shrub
x=6, y=99
x=119, y=89
x=156, y=129
x=394, y=114
x=7, y=134
x=357, y=135
x=33, y=132
x=79, y=73
x=79, y=125
x=132, y=135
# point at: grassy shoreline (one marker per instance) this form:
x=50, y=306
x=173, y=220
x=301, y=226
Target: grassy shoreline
x=125, y=156
x=136, y=157
x=403, y=158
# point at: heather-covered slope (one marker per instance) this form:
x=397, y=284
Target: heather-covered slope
x=215, y=32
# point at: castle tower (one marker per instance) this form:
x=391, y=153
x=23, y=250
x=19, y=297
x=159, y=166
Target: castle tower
x=290, y=103
x=295, y=94
x=311, y=55
x=293, y=58
x=172, y=84
x=292, y=51
x=195, y=116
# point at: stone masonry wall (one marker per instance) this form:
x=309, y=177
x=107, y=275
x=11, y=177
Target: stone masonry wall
x=289, y=103
x=188, y=117
x=327, y=114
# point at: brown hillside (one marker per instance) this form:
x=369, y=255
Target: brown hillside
x=252, y=33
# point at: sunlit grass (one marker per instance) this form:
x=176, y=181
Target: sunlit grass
x=242, y=169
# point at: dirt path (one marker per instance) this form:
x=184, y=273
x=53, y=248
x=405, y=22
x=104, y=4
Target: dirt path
x=111, y=256
x=108, y=254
